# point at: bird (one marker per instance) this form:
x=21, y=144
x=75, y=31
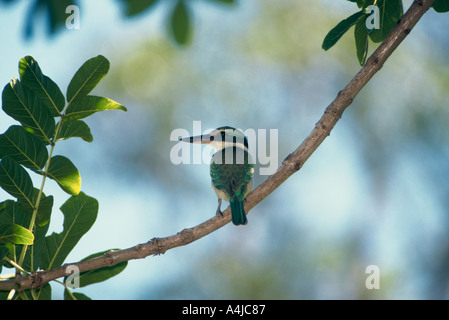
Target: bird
x=231, y=168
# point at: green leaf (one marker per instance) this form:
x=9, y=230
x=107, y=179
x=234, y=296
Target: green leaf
x=340, y=29
x=64, y=172
x=87, y=77
x=94, y=276
x=90, y=104
x=74, y=128
x=441, y=5
x=77, y=295
x=361, y=40
x=15, y=180
x=13, y=233
x=11, y=212
x=44, y=211
x=180, y=24
x=22, y=104
x=134, y=7
x=390, y=12
x=42, y=294
x=23, y=147
x=48, y=92
x=80, y=213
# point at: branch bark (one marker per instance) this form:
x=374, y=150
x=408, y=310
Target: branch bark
x=289, y=166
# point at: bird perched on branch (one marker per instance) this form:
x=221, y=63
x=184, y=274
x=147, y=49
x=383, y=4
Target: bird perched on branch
x=231, y=168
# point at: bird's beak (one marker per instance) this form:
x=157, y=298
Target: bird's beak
x=203, y=139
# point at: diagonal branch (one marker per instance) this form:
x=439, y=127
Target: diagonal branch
x=289, y=166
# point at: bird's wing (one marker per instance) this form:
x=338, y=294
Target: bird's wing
x=231, y=178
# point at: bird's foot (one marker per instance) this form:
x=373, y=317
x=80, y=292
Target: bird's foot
x=219, y=212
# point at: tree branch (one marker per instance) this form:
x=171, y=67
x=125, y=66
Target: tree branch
x=289, y=166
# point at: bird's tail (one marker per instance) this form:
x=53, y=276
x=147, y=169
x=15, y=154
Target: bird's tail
x=238, y=212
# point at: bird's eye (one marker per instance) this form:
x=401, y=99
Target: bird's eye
x=212, y=138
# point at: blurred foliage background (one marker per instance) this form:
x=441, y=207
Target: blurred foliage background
x=376, y=192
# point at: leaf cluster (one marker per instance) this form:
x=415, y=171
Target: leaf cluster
x=45, y=117
x=179, y=17
x=390, y=13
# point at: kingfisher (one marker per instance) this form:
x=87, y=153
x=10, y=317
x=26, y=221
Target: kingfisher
x=231, y=168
